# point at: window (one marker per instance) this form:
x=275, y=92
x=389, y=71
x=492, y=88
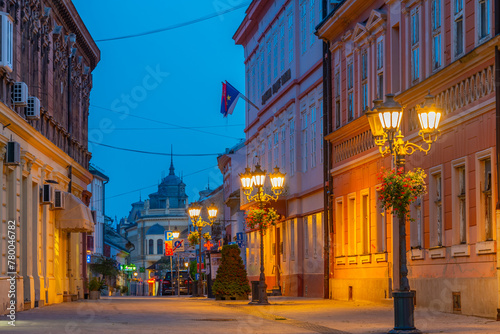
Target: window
x=269, y=153
x=364, y=80
x=365, y=223
x=292, y=147
x=290, y=32
x=304, y=142
x=151, y=246
x=6, y=47
x=276, y=142
x=339, y=231
x=415, y=44
x=483, y=19
x=282, y=45
x=275, y=47
x=303, y=22
x=283, y=147
x=436, y=208
x=269, y=56
x=312, y=20
x=416, y=224
x=436, y=33
x=459, y=201
x=313, y=136
x=159, y=246
x=458, y=26
x=351, y=225
x=380, y=68
x=350, y=91
x=484, y=185
x=381, y=226
x=337, y=99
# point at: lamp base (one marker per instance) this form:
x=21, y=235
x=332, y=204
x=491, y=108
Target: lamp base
x=403, y=313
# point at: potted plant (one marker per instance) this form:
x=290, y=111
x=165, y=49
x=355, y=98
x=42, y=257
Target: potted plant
x=231, y=282
x=95, y=287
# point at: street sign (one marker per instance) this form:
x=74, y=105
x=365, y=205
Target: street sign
x=168, y=248
x=179, y=245
x=197, y=276
x=241, y=243
x=129, y=267
x=142, y=270
x=239, y=236
x=169, y=235
x=88, y=258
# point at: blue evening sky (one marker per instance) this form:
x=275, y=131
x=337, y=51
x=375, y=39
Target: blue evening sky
x=188, y=65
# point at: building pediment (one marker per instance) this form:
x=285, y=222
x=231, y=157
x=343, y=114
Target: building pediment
x=376, y=19
x=360, y=32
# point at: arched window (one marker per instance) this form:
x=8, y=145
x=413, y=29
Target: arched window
x=159, y=246
x=151, y=249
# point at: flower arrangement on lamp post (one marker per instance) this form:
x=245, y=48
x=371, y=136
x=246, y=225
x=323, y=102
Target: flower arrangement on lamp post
x=261, y=219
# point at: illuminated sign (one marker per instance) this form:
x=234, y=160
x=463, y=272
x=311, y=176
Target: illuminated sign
x=208, y=245
x=88, y=258
x=169, y=235
x=151, y=280
x=128, y=267
x=169, y=251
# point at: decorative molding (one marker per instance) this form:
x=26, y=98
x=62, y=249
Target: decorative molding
x=380, y=257
x=365, y=258
x=460, y=250
x=417, y=254
x=486, y=247
x=352, y=259
x=353, y=146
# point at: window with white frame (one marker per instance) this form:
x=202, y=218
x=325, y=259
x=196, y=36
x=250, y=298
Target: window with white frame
x=351, y=224
x=304, y=141
x=350, y=91
x=282, y=44
x=313, y=136
x=339, y=230
x=283, y=147
x=365, y=224
x=303, y=27
x=380, y=68
x=459, y=202
x=290, y=31
x=484, y=186
x=364, y=80
x=292, y=147
x=483, y=19
x=436, y=208
x=416, y=223
x=415, y=43
x=458, y=27
x=6, y=43
x=276, y=142
x=314, y=226
x=269, y=58
x=381, y=225
x=262, y=60
x=269, y=153
x=275, y=54
x=337, y=99
x=312, y=20
x=436, y=33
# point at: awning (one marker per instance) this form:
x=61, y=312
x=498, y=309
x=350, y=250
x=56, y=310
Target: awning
x=75, y=217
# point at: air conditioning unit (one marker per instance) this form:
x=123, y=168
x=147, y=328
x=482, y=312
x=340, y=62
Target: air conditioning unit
x=47, y=194
x=32, y=110
x=13, y=154
x=20, y=94
x=58, y=200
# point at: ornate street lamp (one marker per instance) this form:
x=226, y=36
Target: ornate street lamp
x=385, y=120
x=195, y=215
x=248, y=181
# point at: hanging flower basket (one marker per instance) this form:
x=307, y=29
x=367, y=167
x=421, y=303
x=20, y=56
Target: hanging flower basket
x=261, y=218
x=400, y=189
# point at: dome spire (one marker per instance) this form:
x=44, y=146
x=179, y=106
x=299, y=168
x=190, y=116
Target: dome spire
x=172, y=169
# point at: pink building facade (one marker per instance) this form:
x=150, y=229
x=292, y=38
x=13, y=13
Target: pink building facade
x=410, y=48
x=284, y=79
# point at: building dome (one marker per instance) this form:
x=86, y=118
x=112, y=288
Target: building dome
x=156, y=229
x=171, y=192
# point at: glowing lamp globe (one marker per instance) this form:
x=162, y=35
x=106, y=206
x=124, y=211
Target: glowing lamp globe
x=429, y=115
x=258, y=176
x=194, y=211
x=390, y=114
x=277, y=179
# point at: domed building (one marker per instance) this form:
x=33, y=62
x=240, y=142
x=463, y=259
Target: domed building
x=145, y=226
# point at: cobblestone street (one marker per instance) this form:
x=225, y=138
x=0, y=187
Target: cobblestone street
x=190, y=315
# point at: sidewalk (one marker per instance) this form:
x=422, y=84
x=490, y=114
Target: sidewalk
x=358, y=317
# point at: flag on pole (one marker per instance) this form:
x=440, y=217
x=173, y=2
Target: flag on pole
x=230, y=96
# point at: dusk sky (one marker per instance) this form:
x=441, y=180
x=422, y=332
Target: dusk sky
x=173, y=78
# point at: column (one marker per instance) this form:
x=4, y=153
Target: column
x=27, y=231
x=3, y=222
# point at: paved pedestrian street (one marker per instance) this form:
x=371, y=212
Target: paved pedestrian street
x=200, y=315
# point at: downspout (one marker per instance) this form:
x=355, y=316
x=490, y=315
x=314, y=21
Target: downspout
x=327, y=108
x=497, y=105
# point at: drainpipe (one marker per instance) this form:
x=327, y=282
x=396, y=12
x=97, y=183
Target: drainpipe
x=497, y=105
x=327, y=115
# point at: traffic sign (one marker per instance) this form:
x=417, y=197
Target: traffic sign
x=168, y=248
x=241, y=243
x=239, y=236
x=169, y=235
x=179, y=245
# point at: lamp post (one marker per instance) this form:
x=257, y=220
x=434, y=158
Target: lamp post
x=248, y=181
x=195, y=215
x=175, y=235
x=385, y=120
